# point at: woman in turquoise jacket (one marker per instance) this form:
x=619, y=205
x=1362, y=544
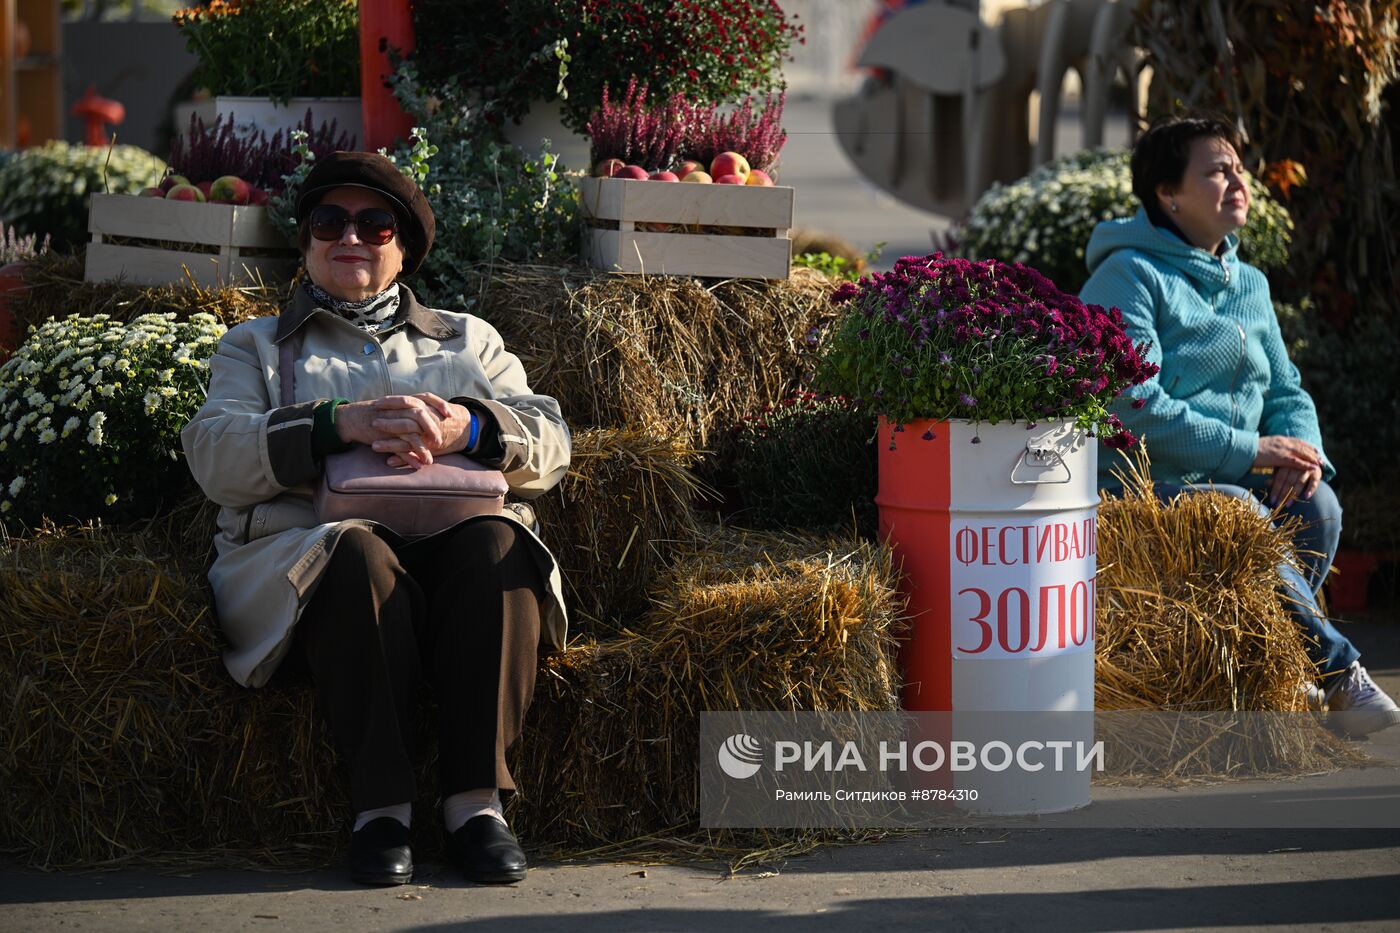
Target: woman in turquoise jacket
x=1227, y=411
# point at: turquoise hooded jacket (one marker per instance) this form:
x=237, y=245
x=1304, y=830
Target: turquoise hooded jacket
x=1226, y=378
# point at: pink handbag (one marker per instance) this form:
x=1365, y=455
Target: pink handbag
x=412, y=503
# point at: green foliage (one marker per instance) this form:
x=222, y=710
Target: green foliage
x=275, y=48
x=808, y=463
x=282, y=206
x=1045, y=219
x=712, y=50
x=838, y=267
x=1355, y=385
x=46, y=190
x=492, y=203
x=91, y=411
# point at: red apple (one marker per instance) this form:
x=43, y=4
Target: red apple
x=204, y=188
x=760, y=178
x=152, y=193
x=729, y=163
x=698, y=177
x=730, y=180
x=608, y=168
x=663, y=176
x=686, y=167
x=632, y=171
x=230, y=189
x=259, y=197
x=170, y=181
x=184, y=193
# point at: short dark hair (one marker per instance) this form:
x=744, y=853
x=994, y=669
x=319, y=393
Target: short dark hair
x=1160, y=154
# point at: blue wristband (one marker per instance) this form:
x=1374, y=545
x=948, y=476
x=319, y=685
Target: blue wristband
x=472, y=434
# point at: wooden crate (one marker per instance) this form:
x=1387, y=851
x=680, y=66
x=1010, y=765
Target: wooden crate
x=618, y=212
x=228, y=244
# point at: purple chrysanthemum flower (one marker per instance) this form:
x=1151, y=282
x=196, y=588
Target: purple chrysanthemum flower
x=967, y=400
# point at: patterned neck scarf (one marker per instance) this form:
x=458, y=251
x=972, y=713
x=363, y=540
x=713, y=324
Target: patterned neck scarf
x=369, y=314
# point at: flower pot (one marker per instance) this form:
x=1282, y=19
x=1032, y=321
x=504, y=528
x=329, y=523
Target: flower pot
x=12, y=287
x=543, y=121
x=1349, y=588
x=994, y=526
x=261, y=113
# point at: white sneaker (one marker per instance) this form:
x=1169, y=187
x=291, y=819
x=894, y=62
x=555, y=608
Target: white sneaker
x=1313, y=698
x=1356, y=706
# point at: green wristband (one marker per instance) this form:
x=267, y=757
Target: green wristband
x=324, y=437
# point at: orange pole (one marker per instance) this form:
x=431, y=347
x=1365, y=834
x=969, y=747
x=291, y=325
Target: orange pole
x=384, y=24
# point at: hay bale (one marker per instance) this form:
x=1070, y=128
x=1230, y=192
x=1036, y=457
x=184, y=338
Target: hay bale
x=1191, y=620
x=56, y=289
x=808, y=240
x=742, y=621
x=672, y=355
x=122, y=737
x=615, y=520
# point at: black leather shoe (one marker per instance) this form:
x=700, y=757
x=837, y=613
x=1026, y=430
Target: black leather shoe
x=487, y=851
x=379, y=853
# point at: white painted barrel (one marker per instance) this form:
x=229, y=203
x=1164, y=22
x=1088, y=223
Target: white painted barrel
x=995, y=526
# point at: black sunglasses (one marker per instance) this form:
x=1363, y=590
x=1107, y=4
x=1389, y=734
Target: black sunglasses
x=373, y=225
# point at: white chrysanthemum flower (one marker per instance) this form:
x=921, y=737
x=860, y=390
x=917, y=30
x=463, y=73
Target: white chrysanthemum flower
x=16, y=485
x=48, y=436
x=111, y=498
x=152, y=401
x=69, y=426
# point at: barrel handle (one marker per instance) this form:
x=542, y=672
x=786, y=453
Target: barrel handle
x=1042, y=454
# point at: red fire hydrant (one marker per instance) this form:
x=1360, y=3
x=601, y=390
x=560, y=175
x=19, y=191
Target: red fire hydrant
x=97, y=112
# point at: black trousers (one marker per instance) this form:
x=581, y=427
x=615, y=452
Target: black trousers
x=459, y=613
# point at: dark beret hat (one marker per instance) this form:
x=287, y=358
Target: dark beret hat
x=371, y=170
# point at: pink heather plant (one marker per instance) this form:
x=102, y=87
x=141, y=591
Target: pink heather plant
x=658, y=136
x=759, y=138
x=987, y=341
x=639, y=133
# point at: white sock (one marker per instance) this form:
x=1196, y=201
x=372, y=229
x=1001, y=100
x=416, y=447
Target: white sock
x=484, y=801
x=403, y=812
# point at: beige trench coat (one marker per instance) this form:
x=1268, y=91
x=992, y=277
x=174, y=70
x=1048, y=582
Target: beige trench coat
x=251, y=453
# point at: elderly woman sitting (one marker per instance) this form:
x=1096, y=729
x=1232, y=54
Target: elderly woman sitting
x=1227, y=412
x=372, y=615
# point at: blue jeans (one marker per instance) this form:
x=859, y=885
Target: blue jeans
x=1316, y=544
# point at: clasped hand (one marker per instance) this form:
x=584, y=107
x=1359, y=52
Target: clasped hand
x=1297, y=468
x=411, y=429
